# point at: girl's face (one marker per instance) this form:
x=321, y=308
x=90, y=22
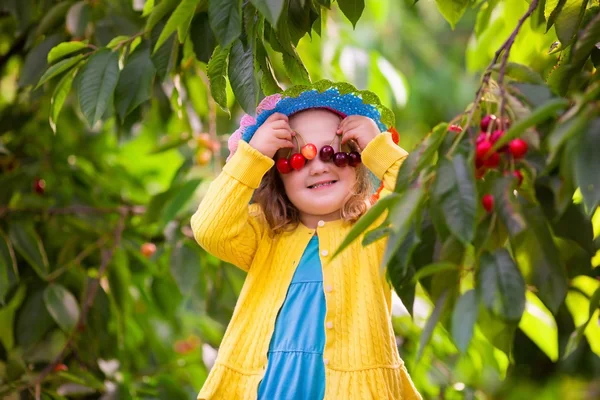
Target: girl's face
x=319, y=189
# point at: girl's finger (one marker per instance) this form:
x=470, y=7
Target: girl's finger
x=285, y=144
x=348, y=123
x=283, y=133
x=277, y=117
x=350, y=134
x=280, y=124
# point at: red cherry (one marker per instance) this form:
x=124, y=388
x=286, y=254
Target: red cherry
x=297, y=161
x=283, y=166
x=60, y=367
x=326, y=153
x=340, y=159
x=354, y=159
x=486, y=121
x=455, y=128
x=39, y=185
x=482, y=151
x=395, y=135
x=479, y=163
x=148, y=249
x=518, y=148
x=480, y=138
x=309, y=151
x=488, y=202
x=497, y=134
x=519, y=175
x=492, y=160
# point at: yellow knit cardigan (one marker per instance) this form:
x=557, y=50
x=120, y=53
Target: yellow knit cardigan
x=361, y=358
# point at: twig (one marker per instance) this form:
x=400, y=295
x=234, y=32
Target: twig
x=506, y=46
x=107, y=255
x=82, y=210
x=78, y=259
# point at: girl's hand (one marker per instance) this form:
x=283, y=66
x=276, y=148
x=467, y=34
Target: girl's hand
x=274, y=134
x=361, y=129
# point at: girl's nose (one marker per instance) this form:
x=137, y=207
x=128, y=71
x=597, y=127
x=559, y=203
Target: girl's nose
x=317, y=166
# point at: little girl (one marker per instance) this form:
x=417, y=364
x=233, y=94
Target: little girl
x=306, y=326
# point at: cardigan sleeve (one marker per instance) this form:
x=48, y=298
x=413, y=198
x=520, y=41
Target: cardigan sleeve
x=384, y=158
x=225, y=224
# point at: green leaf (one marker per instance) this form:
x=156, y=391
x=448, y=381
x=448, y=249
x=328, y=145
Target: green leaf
x=217, y=73
x=420, y=158
x=159, y=12
x=202, y=37
x=242, y=77
x=551, y=10
x=271, y=9
x=185, y=265
x=483, y=16
x=59, y=68
x=587, y=165
x=54, y=16
x=540, y=114
x=500, y=333
x=586, y=42
x=97, y=84
x=62, y=305
x=577, y=335
x=367, y=220
x=433, y=269
x=521, y=73
x=179, y=200
x=507, y=205
x=135, y=81
x=27, y=242
x=539, y=325
x=291, y=60
x=568, y=20
x=535, y=95
x=434, y=318
x=65, y=49
x=352, y=9
x=36, y=61
x=539, y=259
x=33, y=320
x=59, y=96
x=452, y=10
x=464, y=317
x=376, y=234
x=563, y=132
x=9, y=274
x=148, y=7
x=404, y=210
x=182, y=15
x=501, y=286
x=455, y=192
x=226, y=20
x=165, y=58
x=268, y=82
x=117, y=41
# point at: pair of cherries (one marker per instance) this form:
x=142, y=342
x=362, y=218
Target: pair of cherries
x=296, y=161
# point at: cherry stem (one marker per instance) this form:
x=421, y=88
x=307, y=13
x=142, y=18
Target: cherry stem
x=506, y=46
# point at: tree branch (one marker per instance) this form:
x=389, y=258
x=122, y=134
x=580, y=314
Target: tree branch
x=90, y=296
x=506, y=46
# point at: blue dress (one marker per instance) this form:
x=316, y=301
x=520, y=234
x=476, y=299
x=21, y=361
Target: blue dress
x=295, y=370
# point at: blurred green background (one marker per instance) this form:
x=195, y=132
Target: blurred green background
x=117, y=197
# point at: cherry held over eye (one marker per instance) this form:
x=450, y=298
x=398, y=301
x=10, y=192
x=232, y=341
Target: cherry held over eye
x=326, y=153
x=354, y=158
x=340, y=159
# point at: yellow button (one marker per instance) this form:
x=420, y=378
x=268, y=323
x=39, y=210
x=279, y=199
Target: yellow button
x=324, y=253
x=329, y=325
x=325, y=361
x=321, y=223
x=328, y=289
